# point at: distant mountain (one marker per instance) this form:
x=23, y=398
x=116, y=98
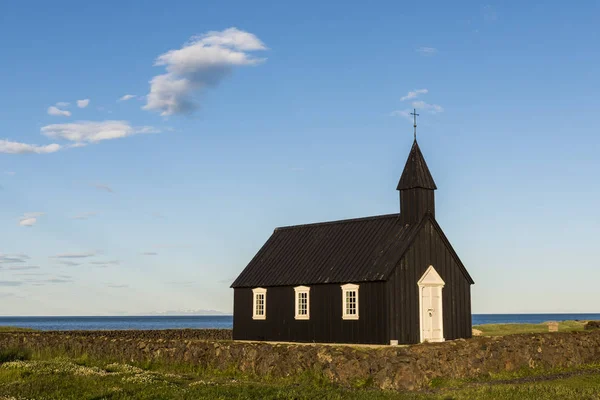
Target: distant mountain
x=188, y=312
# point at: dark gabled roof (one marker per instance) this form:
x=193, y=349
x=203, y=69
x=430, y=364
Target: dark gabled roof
x=416, y=173
x=353, y=250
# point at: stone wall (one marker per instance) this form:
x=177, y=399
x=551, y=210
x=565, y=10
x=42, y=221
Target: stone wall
x=409, y=367
x=133, y=334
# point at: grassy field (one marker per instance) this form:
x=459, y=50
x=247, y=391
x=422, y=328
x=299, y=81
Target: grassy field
x=14, y=329
x=26, y=376
x=511, y=329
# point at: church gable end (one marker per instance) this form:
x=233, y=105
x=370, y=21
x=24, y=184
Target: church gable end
x=430, y=247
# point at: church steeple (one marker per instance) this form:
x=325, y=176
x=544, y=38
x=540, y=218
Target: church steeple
x=416, y=188
x=416, y=173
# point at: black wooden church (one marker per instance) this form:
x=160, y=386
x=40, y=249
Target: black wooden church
x=387, y=279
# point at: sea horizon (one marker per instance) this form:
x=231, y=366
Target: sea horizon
x=225, y=321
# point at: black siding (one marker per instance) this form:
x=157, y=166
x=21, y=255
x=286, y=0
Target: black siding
x=325, y=325
x=415, y=203
x=429, y=248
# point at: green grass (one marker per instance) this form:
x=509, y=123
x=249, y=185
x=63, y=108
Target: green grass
x=35, y=376
x=15, y=329
x=511, y=329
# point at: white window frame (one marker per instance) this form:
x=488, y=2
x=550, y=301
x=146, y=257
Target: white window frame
x=349, y=287
x=297, y=291
x=255, y=293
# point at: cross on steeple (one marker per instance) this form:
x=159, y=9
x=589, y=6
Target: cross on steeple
x=415, y=115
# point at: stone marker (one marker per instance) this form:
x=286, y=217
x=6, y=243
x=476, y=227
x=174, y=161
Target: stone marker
x=552, y=326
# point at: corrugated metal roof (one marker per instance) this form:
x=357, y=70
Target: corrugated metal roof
x=354, y=250
x=416, y=173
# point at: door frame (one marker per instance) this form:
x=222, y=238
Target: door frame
x=431, y=278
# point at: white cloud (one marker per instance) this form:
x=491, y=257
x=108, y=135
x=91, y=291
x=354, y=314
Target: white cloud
x=75, y=255
x=202, y=62
x=417, y=104
x=30, y=219
x=92, y=132
x=13, y=258
x=8, y=147
x=127, y=97
x=402, y=113
x=83, y=103
x=106, y=263
x=427, y=51
x=414, y=94
x=63, y=104
x=53, y=110
x=11, y=173
x=432, y=108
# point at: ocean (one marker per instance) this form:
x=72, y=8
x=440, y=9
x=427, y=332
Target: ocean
x=226, y=321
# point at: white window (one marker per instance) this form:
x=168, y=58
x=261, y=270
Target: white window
x=259, y=304
x=302, y=303
x=350, y=301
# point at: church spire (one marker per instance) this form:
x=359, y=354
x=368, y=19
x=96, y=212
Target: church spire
x=416, y=187
x=416, y=173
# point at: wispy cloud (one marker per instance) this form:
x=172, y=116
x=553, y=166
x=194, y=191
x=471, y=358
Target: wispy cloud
x=202, y=62
x=113, y=286
x=83, y=103
x=75, y=255
x=8, y=147
x=30, y=219
x=57, y=112
x=104, y=188
x=10, y=283
x=427, y=51
x=10, y=173
x=63, y=104
x=401, y=113
x=13, y=258
x=23, y=267
x=417, y=104
x=127, y=97
x=69, y=263
x=84, y=132
x=58, y=280
x=104, y=264
x=432, y=108
x=84, y=215
x=414, y=94
x=31, y=273
x=149, y=253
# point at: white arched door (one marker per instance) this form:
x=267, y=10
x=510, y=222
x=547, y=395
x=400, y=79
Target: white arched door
x=431, y=314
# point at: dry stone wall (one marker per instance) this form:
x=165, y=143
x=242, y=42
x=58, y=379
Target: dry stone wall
x=410, y=367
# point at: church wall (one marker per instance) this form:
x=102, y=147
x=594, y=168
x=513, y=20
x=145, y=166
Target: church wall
x=428, y=249
x=325, y=324
x=415, y=203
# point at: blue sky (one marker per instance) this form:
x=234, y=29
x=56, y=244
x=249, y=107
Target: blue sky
x=244, y=117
